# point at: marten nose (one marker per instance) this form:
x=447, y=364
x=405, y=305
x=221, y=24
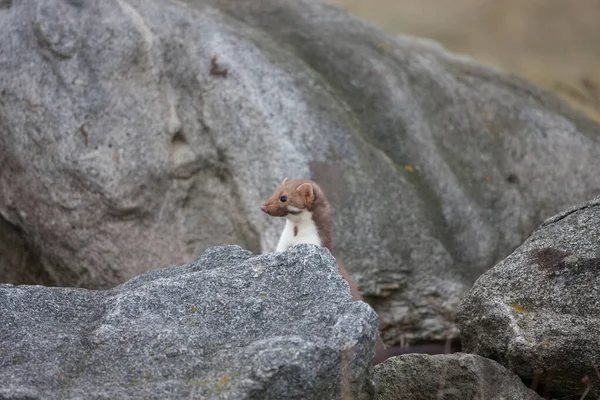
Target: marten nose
x=263, y=208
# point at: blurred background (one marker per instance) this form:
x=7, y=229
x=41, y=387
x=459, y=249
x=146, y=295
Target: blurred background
x=553, y=43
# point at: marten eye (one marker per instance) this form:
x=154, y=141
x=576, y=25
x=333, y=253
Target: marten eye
x=283, y=199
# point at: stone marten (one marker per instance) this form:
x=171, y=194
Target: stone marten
x=309, y=220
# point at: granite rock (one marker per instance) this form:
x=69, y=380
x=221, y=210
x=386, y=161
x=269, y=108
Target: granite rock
x=538, y=311
x=455, y=376
x=137, y=133
x=231, y=325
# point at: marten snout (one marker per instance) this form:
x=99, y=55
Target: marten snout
x=274, y=209
x=291, y=197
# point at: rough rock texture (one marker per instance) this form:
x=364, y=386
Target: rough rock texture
x=137, y=133
x=228, y=326
x=449, y=376
x=538, y=311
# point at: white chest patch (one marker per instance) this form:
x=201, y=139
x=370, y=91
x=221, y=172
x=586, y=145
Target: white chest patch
x=298, y=229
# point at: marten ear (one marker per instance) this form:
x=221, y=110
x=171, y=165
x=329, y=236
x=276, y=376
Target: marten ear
x=307, y=192
x=284, y=181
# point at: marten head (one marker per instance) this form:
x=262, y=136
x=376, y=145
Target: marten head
x=292, y=197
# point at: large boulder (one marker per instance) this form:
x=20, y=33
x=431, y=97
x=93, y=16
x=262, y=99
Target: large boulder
x=538, y=311
x=137, y=133
x=231, y=325
x=449, y=377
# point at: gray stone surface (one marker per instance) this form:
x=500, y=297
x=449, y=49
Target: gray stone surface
x=137, y=133
x=538, y=311
x=455, y=376
x=231, y=325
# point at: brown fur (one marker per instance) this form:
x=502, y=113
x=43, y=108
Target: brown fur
x=305, y=194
